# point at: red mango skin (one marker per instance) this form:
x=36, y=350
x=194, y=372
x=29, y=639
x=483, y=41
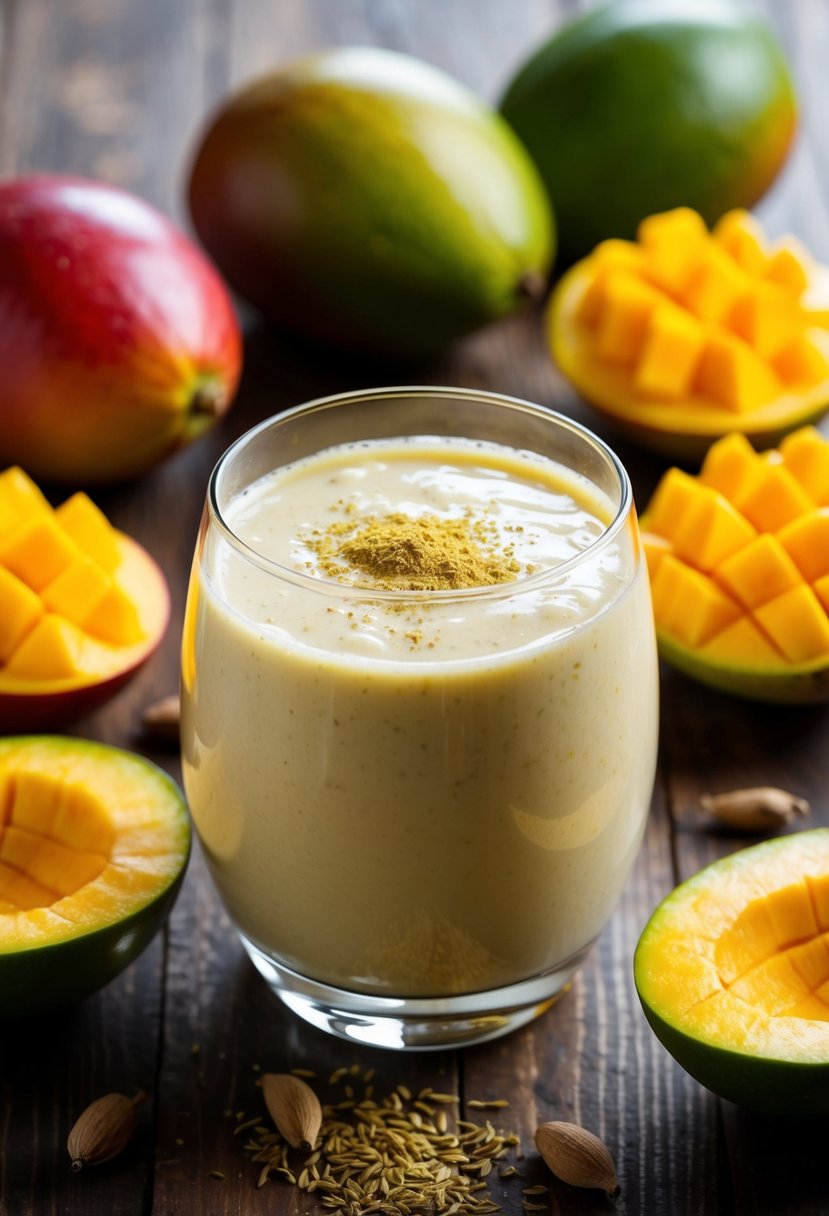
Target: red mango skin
x=118, y=338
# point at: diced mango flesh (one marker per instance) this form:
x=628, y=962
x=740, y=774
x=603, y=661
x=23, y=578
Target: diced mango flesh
x=746, y=943
x=739, y=555
x=775, y=954
x=713, y=319
x=88, y=835
x=63, y=610
x=57, y=837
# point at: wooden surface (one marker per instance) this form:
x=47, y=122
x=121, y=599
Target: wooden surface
x=118, y=89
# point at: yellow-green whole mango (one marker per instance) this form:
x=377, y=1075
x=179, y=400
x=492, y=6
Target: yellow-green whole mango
x=362, y=197
x=640, y=106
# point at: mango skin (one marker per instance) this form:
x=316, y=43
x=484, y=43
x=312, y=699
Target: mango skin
x=801, y=684
x=361, y=197
x=641, y=106
x=767, y=1084
x=118, y=339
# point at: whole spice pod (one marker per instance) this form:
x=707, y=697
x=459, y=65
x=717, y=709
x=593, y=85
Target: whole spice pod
x=577, y=1157
x=759, y=809
x=294, y=1108
x=103, y=1130
x=161, y=721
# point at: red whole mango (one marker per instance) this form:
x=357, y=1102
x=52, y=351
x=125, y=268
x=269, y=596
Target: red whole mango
x=118, y=339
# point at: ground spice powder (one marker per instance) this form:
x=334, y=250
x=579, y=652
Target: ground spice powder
x=416, y=553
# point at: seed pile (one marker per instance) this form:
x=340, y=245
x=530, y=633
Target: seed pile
x=399, y=1154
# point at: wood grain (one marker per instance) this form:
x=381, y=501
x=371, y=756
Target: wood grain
x=120, y=90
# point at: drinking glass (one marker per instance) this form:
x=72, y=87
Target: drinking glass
x=418, y=846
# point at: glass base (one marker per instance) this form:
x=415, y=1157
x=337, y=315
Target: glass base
x=415, y=1023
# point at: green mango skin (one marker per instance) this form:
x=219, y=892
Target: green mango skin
x=645, y=105
x=361, y=197
x=48, y=977
x=52, y=975
x=804, y=684
x=771, y=1085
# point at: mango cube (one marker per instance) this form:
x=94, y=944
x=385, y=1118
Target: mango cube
x=716, y=286
x=788, y=265
x=674, y=497
x=733, y=376
x=730, y=465
x=770, y=321
x=20, y=499
x=610, y=257
x=797, y=624
x=742, y=236
x=20, y=609
x=38, y=552
x=90, y=529
x=672, y=243
x=52, y=650
x=77, y=590
x=743, y=644
x=802, y=364
x=669, y=355
x=759, y=572
x=806, y=540
x=773, y=499
x=711, y=530
x=623, y=324
x=806, y=455
x=689, y=604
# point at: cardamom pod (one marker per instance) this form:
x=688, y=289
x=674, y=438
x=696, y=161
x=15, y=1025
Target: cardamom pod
x=161, y=720
x=294, y=1108
x=760, y=809
x=577, y=1157
x=103, y=1130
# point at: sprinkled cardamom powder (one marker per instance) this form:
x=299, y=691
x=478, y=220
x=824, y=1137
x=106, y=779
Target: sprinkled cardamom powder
x=400, y=552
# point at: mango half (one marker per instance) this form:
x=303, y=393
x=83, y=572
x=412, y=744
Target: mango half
x=732, y=971
x=739, y=566
x=82, y=606
x=94, y=842
x=685, y=335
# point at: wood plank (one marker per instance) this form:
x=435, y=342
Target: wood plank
x=120, y=90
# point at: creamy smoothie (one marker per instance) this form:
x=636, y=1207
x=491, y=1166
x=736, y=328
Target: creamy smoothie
x=405, y=786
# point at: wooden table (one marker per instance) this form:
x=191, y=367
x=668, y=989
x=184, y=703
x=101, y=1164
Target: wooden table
x=117, y=89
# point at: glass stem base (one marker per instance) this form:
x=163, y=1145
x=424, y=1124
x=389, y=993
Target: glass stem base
x=414, y=1023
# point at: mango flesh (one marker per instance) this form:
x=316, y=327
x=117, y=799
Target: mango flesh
x=363, y=198
x=739, y=564
x=80, y=603
x=93, y=845
x=733, y=973
x=691, y=333
x=640, y=105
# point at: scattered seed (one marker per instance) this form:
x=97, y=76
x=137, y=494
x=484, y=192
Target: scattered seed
x=391, y=1155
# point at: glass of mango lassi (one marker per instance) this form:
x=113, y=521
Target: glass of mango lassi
x=419, y=706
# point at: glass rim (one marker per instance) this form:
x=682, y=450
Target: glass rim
x=330, y=586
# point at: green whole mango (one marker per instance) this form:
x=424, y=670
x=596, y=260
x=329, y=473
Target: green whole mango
x=640, y=106
x=362, y=197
